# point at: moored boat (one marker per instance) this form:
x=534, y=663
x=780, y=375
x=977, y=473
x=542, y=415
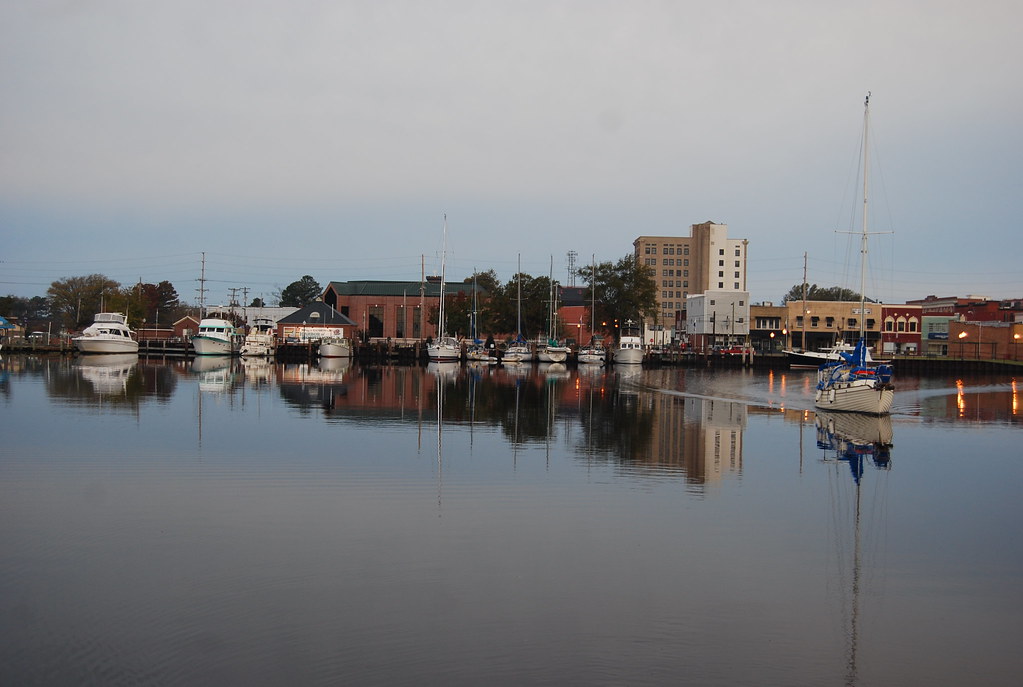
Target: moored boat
x=261, y=341
x=216, y=337
x=109, y=333
x=852, y=384
x=814, y=359
x=335, y=347
x=444, y=348
x=629, y=350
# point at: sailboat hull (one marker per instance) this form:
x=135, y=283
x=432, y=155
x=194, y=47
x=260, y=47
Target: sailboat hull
x=858, y=396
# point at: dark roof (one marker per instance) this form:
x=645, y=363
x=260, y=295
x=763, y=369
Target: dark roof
x=325, y=315
x=397, y=288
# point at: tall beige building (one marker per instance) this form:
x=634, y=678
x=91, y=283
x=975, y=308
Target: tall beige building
x=706, y=260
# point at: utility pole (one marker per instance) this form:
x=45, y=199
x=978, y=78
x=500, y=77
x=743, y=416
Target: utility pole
x=202, y=287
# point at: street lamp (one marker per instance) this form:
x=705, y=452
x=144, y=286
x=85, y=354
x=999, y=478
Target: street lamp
x=962, y=335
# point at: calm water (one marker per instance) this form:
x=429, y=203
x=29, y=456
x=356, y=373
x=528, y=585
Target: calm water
x=217, y=523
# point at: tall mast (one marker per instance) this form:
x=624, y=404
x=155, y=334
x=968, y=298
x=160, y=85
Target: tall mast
x=443, y=264
x=802, y=342
x=863, y=236
x=518, y=310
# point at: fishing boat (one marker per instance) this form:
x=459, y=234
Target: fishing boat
x=216, y=336
x=261, y=341
x=594, y=352
x=444, y=347
x=629, y=350
x=335, y=347
x=108, y=333
x=852, y=384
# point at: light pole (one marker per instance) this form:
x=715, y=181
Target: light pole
x=962, y=335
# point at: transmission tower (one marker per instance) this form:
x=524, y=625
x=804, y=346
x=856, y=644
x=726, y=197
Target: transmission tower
x=571, y=267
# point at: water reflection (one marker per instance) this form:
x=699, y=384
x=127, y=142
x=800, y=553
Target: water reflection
x=854, y=441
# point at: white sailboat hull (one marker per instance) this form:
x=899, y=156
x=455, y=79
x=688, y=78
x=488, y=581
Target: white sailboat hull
x=553, y=354
x=444, y=350
x=856, y=396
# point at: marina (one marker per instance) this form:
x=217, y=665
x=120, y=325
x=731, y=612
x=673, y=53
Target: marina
x=227, y=519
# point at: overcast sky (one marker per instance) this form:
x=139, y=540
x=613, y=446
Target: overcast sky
x=330, y=138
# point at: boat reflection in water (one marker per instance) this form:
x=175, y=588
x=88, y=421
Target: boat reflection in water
x=216, y=373
x=108, y=374
x=854, y=438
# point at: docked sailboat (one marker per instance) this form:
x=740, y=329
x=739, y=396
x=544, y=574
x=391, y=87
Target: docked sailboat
x=853, y=384
x=477, y=351
x=593, y=353
x=519, y=351
x=444, y=347
x=108, y=333
x=551, y=350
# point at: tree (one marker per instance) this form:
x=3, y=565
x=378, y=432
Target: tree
x=158, y=302
x=817, y=293
x=257, y=303
x=75, y=300
x=625, y=290
x=301, y=293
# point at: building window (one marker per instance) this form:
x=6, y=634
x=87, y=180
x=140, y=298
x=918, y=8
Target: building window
x=685, y=284
x=685, y=251
x=736, y=286
x=721, y=263
x=829, y=322
x=712, y=302
x=664, y=250
x=721, y=251
x=742, y=303
x=889, y=324
x=736, y=275
x=913, y=324
x=738, y=252
x=721, y=285
x=685, y=273
x=721, y=274
x=685, y=263
x=399, y=322
x=815, y=321
x=737, y=263
x=799, y=320
x=417, y=322
x=901, y=324
x=871, y=324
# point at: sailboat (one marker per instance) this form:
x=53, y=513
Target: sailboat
x=519, y=351
x=444, y=347
x=853, y=384
x=477, y=351
x=594, y=352
x=551, y=350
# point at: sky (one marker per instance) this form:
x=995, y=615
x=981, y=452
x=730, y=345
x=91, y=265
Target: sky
x=268, y=140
